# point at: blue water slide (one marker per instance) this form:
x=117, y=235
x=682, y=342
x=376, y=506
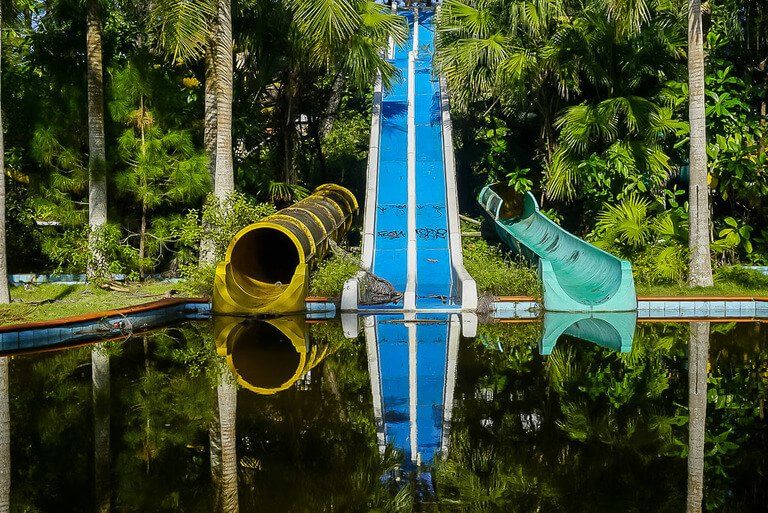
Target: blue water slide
x=411, y=234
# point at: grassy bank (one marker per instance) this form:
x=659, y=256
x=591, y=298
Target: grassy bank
x=53, y=301
x=723, y=289
x=496, y=274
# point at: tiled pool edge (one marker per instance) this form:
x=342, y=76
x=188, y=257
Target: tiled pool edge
x=655, y=308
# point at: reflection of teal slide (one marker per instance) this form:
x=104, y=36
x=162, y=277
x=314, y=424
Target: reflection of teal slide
x=576, y=276
x=612, y=330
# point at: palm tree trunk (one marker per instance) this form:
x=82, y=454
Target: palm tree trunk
x=5, y=414
x=5, y=296
x=698, y=357
x=227, y=394
x=5, y=438
x=224, y=182
x=209, y=129
x=100, y=377
x=97, y=155
x=700, y=263
x=207, y=250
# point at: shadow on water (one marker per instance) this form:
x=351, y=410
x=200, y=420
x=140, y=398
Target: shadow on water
x=592, y=424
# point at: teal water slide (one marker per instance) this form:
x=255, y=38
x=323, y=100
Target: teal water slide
x=575, y=275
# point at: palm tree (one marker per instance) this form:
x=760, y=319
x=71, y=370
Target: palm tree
x=700, y=260
x=5, y=296
x=224, y=173
x=698, y=351
x=100, y=377
x=5, y=438
x=97, y=156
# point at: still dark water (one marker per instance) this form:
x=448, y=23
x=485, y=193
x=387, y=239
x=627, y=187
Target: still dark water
x=155, y=423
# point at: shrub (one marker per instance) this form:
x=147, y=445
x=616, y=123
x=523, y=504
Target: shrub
x=329, y=277
x=661, y=265
x=738, y=275
x=220, y=221
x=198, y=279
x=498, y=274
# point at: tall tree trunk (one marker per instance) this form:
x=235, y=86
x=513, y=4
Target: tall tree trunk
x=100, y=377
x=142, y=238
x=227, y=394
x=209, y=128
x=97, y=155
x=210, y=138
x=224, y=183
x=698, y=357
x=701, y=263
x=5, y=438
x=288, y=131
x=333, y=105
x=143, y=229
x=5, y=296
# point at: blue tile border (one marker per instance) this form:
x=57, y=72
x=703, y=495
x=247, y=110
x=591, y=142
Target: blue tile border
x=656, y=309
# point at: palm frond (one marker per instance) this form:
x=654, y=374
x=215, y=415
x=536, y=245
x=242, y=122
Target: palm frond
x=183, y=27
x=627, y=221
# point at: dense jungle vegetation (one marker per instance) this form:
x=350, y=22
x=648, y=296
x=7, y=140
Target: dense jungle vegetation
x=121, y=117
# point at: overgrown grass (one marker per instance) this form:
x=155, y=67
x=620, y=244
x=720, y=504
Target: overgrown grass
x=329, y=277
x=52, y=301
x=498, y=274
x=729, y=281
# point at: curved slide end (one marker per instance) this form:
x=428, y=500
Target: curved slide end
x=612, y=330
x=266, y=267
x=576, y=276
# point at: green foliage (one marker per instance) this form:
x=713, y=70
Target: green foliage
x=748, y=278
x=69, y=250
x=653, y=235
x=346, y=145
x=498, y=274
x=329, y=277
x=219, y=221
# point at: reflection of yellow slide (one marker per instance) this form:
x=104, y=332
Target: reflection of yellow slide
x=266, y=267
x=269, y=355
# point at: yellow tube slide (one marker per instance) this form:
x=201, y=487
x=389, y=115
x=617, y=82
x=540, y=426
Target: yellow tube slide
x=266, y=267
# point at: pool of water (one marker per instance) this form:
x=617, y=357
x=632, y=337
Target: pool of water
x=321, y=423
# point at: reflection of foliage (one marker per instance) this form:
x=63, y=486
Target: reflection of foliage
x=50, y=407
x=593, y=430
x=164, y=406
x=736, y=440
x=313, y=448
x=530, y=433
x=510, y=345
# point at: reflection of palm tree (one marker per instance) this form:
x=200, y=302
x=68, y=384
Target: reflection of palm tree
x=5, y=439
x=227, y=394
x=697, y=411
x=100, y=377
